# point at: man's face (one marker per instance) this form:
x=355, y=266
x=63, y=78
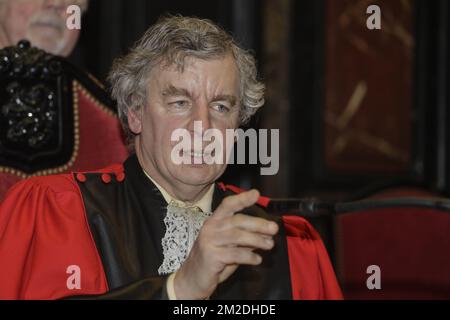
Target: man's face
x=43, y=23
x=206, y=91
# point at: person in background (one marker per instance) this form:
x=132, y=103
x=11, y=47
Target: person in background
x=42, y=22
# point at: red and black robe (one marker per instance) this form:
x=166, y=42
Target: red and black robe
x=109, y=223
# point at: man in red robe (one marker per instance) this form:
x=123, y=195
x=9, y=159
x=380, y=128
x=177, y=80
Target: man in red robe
x=152, y=228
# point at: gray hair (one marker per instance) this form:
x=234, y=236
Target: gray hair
x=170, y=41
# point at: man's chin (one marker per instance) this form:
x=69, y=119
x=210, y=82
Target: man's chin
x=49, y=41
x=196, y=174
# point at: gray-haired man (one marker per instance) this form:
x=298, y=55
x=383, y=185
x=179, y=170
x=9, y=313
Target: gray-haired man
x=152, y=228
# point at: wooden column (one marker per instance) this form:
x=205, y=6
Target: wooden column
x=276, y=49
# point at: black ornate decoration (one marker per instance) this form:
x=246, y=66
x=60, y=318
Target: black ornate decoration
x=36, y=109
x=31, y=115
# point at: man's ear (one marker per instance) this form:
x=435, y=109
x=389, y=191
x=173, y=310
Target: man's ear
x=134, y=121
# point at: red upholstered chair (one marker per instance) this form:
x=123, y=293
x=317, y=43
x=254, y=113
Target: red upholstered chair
x=53, y=118
x=404, y=231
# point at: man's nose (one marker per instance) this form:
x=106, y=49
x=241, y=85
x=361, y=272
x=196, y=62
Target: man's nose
x=201, y=113
x=57, y=5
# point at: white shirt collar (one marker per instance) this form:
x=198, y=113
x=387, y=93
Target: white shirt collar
x=205, y=203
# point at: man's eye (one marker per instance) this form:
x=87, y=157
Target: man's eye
x=221, y=108
x=179, y=104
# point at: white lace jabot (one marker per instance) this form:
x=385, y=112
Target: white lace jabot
x=182, y=227
x=183, y=223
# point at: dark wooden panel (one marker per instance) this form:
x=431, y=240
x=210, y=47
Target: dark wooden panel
x=368, y=108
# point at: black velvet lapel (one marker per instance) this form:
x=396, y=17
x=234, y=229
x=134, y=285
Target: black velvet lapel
x=126, y=220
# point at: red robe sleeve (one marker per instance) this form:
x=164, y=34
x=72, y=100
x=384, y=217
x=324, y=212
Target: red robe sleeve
x=312, y=275
x=44, y=231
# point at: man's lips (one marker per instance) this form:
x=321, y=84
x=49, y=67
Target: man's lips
x=196, y=154
x=46, y=25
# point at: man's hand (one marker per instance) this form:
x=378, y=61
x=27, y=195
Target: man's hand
x=225, y=241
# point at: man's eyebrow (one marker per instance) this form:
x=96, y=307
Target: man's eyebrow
x=227, y=97
x=175, y=91
x=171, y=90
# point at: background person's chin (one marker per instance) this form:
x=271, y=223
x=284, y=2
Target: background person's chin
x=46, y=38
